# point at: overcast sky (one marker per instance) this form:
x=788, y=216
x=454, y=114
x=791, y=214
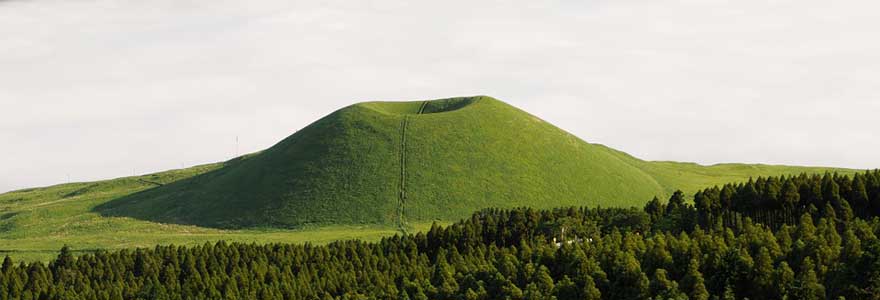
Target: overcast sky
x=96, y=89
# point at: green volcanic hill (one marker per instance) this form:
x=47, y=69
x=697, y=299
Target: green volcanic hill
x=389, y=162
x=396, y=162
x=355, y=174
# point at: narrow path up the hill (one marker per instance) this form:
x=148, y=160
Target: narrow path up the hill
x=401, y=196
x=401, y=199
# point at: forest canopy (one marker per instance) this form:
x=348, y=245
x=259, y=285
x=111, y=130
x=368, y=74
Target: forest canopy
x=800, y=237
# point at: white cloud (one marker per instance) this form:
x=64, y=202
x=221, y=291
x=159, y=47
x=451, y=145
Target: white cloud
x=98, y=88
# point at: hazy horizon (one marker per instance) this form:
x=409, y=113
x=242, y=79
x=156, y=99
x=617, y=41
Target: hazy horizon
x=101, y=89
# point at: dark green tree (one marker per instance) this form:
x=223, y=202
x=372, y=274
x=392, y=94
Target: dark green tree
x=808, y=285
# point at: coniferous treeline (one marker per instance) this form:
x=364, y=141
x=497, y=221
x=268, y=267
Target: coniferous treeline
x=781, y=200
x=672, y=250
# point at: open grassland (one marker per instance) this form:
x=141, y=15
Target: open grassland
x=36, y=223
x=152, y=234
x=691, y=177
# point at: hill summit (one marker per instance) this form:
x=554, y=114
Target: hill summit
x=391, y=162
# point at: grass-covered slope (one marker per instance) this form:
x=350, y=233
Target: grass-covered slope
x=35, y=223
x=345, y=160
x=390, y=162
x=691, y=177
x=490, y=154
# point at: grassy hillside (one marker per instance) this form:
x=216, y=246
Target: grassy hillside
x=355, y=174
x=691, y=177
x=35, y=223
x=389, y=163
